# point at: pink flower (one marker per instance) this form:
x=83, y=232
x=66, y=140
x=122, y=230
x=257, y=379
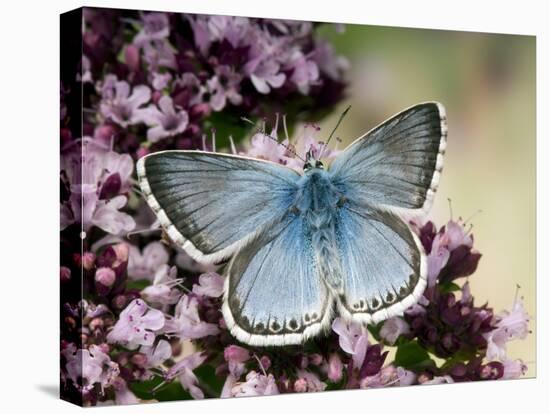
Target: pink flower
x=300, y=385
x=90, y=365
x=236, y=356
x=104, y=214
x=236, y=30
x=155, y=27
x=210, y=284
x=389, y=376
x=256, y=384
x=183, y=370
x=104, y=279
x=393, y=328
x=158, y=53
x=335, y=367
x=95, y=176
x=235, y=353
x=266, y=148
x=164, y=120
x=122, y=107
x=223, y=87
x=305, y=72
x=513, y=368
x=137, y=325
x=447, y=240
x=308, y=142
x=438, y=257
x=161, y=80
x=156, y=354
x=265, y=73
x=353, y=339
x=144, y=265
x=186, y=323
x=457, y=235
x=123, y=395
x=446, y=379
x=510, y=325
x=310, y=382
x=405, y=377
x=330, y=64
x=163, y=291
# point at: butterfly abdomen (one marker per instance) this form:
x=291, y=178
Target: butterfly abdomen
x=323, y=241
x=317, y=201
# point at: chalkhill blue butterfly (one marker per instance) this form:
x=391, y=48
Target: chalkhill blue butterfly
x=304, y=246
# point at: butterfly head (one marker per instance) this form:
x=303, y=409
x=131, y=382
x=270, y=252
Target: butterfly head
x=312, y=163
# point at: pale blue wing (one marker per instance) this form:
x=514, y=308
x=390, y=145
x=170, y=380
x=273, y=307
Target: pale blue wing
x=398, y=163
x=212, y=204
x=383, y=264
x=274, y=294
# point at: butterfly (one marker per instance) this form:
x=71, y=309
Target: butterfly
x=304, y=246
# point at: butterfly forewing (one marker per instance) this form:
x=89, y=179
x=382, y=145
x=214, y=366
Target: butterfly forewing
x=397, y=164
x=211, y=204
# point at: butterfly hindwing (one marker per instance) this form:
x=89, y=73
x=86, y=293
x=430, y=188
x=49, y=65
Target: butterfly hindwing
x=397, y=164
x=274, y=294
x=211, y=204
x=383, y=264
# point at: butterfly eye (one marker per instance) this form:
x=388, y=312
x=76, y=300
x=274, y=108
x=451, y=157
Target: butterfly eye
x=319, y=164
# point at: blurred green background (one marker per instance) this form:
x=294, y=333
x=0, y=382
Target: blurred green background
x=487, y=84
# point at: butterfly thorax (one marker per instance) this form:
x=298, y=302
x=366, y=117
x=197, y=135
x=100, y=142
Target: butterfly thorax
x=317, y=201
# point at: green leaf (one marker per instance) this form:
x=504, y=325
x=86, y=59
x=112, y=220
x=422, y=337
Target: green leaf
x=210, y=383
x=410, y=355
x=375, y=330
x=137, y=284
x=448, y=287
x=226, y=123
x=169, y=392
x=462, y=356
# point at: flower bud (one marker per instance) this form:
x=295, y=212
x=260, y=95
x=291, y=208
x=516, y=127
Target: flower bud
x=96, y=323
x=106, y=276
x=139, y=359
x=88, y=260
x=315, y=359
x=122, y=252
x=300, y=385
x=131, y=57
x=105, y=134
x=335, y=367
x=120, y=301
x=266, y=362
x=142, y=151
x=235, y=353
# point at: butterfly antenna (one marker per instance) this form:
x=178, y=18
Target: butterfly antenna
x=334, y=130
x=288, y=148
x=262, y=131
